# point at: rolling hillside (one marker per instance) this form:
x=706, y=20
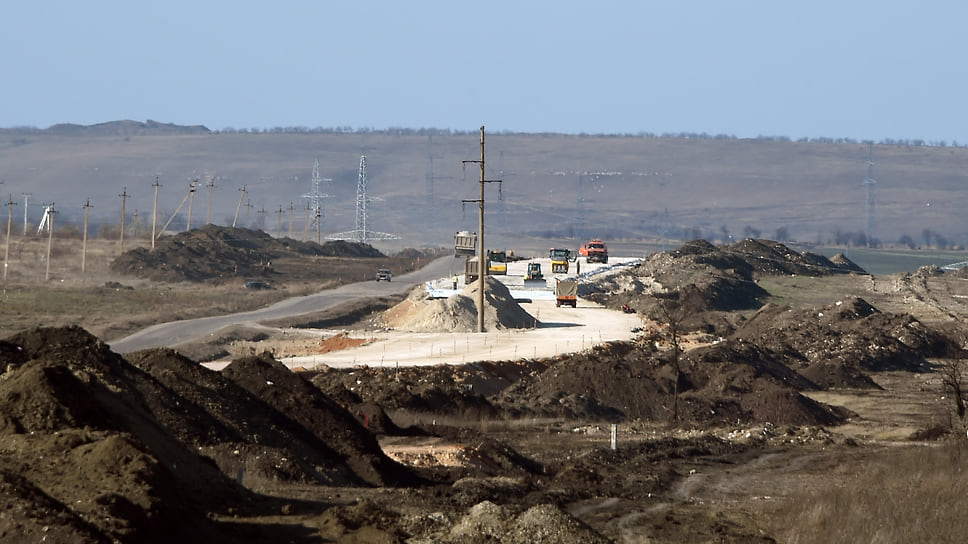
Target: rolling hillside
x=555, y=187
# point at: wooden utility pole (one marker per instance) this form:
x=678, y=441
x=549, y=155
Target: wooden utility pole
x=50, y=236
x=191, y=191
x=154, y=213
x=248, y=208
x=481, y=253
x=292, y=207
x=87, y=206
x=211, y=193
x=26, y=198
x=239, y=207
x=306, y=225
x=124, y=202
x=6, y=251
x=262, y=218
x=191, y=202
x=279, y=223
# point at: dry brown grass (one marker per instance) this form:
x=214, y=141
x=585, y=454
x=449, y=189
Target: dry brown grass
x=104, y=303
x=906, y=494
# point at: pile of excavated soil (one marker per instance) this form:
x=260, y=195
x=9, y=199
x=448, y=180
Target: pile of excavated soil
x=838, y=345
x=79, y=435
x=213, y=252
x=159, y=449
x=145, y=451
x=723, y=384
x=702, y=277
x=458, y=390
x=338, y=342
x=458, y=313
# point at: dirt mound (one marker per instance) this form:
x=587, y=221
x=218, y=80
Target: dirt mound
x=213, y=252
x=239, y=430
x=702, y=278
x=732, y=382
x=458, y=313
x=77, y=430
x=771, y=258
x=723, y=384
x=290, y=394
x=498, y=523
x=126, y=451
x=486, y=521
x=340, y=341
x=458, y=390
x=836, y=345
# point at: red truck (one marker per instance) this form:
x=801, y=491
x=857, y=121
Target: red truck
x=594, y=251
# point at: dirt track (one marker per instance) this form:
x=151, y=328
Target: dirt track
x=562, y=330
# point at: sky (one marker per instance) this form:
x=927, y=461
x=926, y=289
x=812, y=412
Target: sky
x=865, y=70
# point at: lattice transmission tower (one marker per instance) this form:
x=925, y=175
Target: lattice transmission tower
x=362, y=232
x=316, y=198
x=869, y=183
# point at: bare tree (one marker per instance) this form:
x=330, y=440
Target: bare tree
x=953, y=381
x=673, y=312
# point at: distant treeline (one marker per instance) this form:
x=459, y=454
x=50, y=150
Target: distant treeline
x=665, y=135
x=149, y=127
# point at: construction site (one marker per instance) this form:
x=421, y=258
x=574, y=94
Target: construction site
x=716, y=410
x=301, y=384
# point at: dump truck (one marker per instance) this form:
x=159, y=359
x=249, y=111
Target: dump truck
x=497, y=263
x=566, y=292
x=594, y=251
x=471, y=270
x=465, y=243
x=559, y=260
x=534, y=275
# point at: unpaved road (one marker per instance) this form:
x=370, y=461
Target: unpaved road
x=179, y=332
x=562, y=330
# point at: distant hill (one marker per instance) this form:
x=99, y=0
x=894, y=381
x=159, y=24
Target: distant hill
x=556, y=188
x=113, y=128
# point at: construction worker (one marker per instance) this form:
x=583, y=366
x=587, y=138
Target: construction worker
x=455, y=281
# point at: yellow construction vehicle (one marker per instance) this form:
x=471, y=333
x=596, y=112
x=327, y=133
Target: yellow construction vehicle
x=534, y=275
x=559, y=260
x=497, y=263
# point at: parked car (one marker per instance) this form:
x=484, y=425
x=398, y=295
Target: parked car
x=254, y=284
x=383, y=274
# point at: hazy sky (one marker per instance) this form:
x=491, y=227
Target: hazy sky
x=855, y=69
